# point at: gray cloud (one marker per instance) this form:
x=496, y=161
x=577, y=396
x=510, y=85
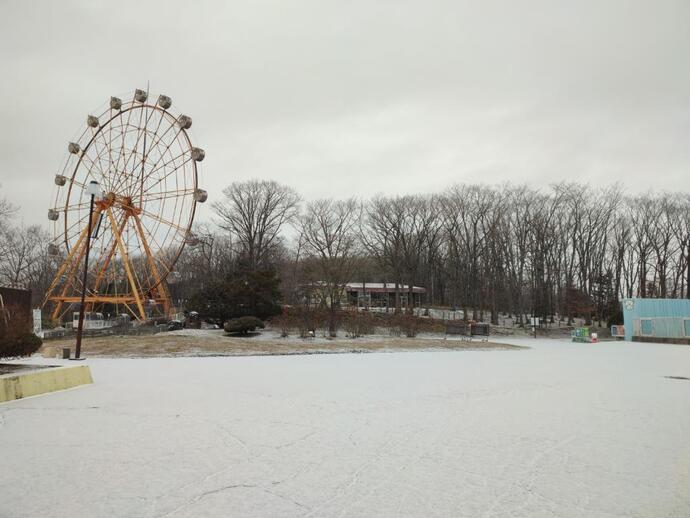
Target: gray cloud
x=354, y=98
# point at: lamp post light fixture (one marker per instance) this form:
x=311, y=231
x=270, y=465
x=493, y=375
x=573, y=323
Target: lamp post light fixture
x=93, y=189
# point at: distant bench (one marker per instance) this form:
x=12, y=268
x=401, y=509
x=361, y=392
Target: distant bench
x=468, y=331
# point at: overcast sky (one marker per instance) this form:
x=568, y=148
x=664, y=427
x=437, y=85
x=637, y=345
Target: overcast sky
x=353, y=98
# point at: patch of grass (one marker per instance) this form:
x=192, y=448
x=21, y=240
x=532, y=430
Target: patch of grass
x=218, y=345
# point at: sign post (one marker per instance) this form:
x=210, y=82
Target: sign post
x=38, y=325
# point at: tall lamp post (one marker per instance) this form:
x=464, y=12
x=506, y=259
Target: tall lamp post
x=94, y=189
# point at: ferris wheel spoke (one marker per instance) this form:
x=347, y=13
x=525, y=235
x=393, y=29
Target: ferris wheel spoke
x=154, y=196
x=152, y=235
x=166, y=151
x=151, y=258
x=134, y=148
x=141, y=130
x=128, y=179
x=123, y=135
x=78, y=222
x=102, y=151
x=110, y=140
x=75, y=207
x=173, y=124
x=157, y=179
x=77, y=183
x=144, y=154
x=176, y=202
x=154, y=145
x=105, y=259
x=115, y=123
x=186, y=161
x=121, y=176
x=147, y=145
x=155, y=132
x=93, y=163
x=99, y=152
x=164, y=221
x=154, y=165
x=139, y=178
x=161, y=249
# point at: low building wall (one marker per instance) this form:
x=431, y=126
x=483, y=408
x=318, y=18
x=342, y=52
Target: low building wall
x=657, y=320
x=661, y=340
x=42, y=381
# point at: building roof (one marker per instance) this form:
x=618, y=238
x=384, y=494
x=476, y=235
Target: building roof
x=380, y=287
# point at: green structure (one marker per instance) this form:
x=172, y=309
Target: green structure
x=582, y=334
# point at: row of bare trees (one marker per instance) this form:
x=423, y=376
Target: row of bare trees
x=569, y=250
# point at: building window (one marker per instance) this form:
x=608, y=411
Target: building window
x=686, y=326
x=646, y=327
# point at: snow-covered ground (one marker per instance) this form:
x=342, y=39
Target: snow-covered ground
x=562, y=429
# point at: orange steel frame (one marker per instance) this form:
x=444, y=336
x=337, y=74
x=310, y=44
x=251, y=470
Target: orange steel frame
x=75, y=257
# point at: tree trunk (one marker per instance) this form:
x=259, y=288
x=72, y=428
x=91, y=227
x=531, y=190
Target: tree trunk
x=687, y=289
x=332, y=327
x=410, y=299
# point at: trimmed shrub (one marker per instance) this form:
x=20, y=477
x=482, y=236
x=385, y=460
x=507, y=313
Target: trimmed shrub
x=16, y=334
x=405, y=324
x=22, y=344
x=242, y=325
x=358, y=323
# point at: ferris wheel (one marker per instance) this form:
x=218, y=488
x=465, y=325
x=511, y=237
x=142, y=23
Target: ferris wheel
x=146, y=169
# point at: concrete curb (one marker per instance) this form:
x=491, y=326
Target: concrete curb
x=42, y=381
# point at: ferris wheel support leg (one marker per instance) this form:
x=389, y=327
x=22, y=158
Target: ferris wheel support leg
x=69, y=280
x=134, y=313
x=160, y=285
x=109, y=257
x=128, y=268
x=63, y=267
x=78, y=249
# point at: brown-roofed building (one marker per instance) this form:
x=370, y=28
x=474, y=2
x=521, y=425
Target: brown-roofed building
x=366, y=294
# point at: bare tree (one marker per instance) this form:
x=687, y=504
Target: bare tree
x=25, y=261
x=212, y=259
x=380, y=233
x=420, y=232
x=641, y=211
x=468, y=209
x=329, y=237
x=255, y=212
x=6, y=210
x=681, y=228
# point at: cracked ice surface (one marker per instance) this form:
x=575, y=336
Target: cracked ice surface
x=567, y=430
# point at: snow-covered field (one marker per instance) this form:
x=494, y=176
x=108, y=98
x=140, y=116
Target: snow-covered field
x=567, y=430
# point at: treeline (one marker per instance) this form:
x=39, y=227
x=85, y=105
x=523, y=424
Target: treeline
x=24, y=258
x=569, y=250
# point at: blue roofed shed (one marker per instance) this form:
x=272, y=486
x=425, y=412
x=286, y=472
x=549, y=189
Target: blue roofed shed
x=657, y=320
